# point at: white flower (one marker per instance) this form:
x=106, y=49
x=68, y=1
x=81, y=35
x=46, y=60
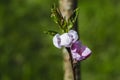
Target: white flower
x=66, y=40
x=57, y=41
x=74, y=35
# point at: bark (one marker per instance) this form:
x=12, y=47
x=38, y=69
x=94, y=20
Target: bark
x=71, y=70
x=68, y=72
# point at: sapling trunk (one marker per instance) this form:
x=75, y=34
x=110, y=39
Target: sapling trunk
x=71, y=69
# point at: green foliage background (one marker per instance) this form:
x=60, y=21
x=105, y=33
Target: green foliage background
x=28, y=54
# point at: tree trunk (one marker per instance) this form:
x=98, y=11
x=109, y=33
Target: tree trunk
x=71, y=71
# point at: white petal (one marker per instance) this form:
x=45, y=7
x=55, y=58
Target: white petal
x=56, y=41
x=74, y=35
x=73, y=50
x=76, y=56
x=86, y=52
x=66, y=40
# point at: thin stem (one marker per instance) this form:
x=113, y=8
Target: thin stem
x=75, y=66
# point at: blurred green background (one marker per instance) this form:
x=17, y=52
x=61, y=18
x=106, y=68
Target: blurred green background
x=28, y=54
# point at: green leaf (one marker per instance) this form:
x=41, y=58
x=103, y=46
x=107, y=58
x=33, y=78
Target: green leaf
x=64, y=25
x=72, y=20
x=58, y=18
x=74, y=16
x=50, y=32
x=70, y=24
x=56, y=15
x=76, y=11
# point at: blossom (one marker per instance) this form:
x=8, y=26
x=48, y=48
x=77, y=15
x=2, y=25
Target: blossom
x=79, y=51
x=66, y=39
